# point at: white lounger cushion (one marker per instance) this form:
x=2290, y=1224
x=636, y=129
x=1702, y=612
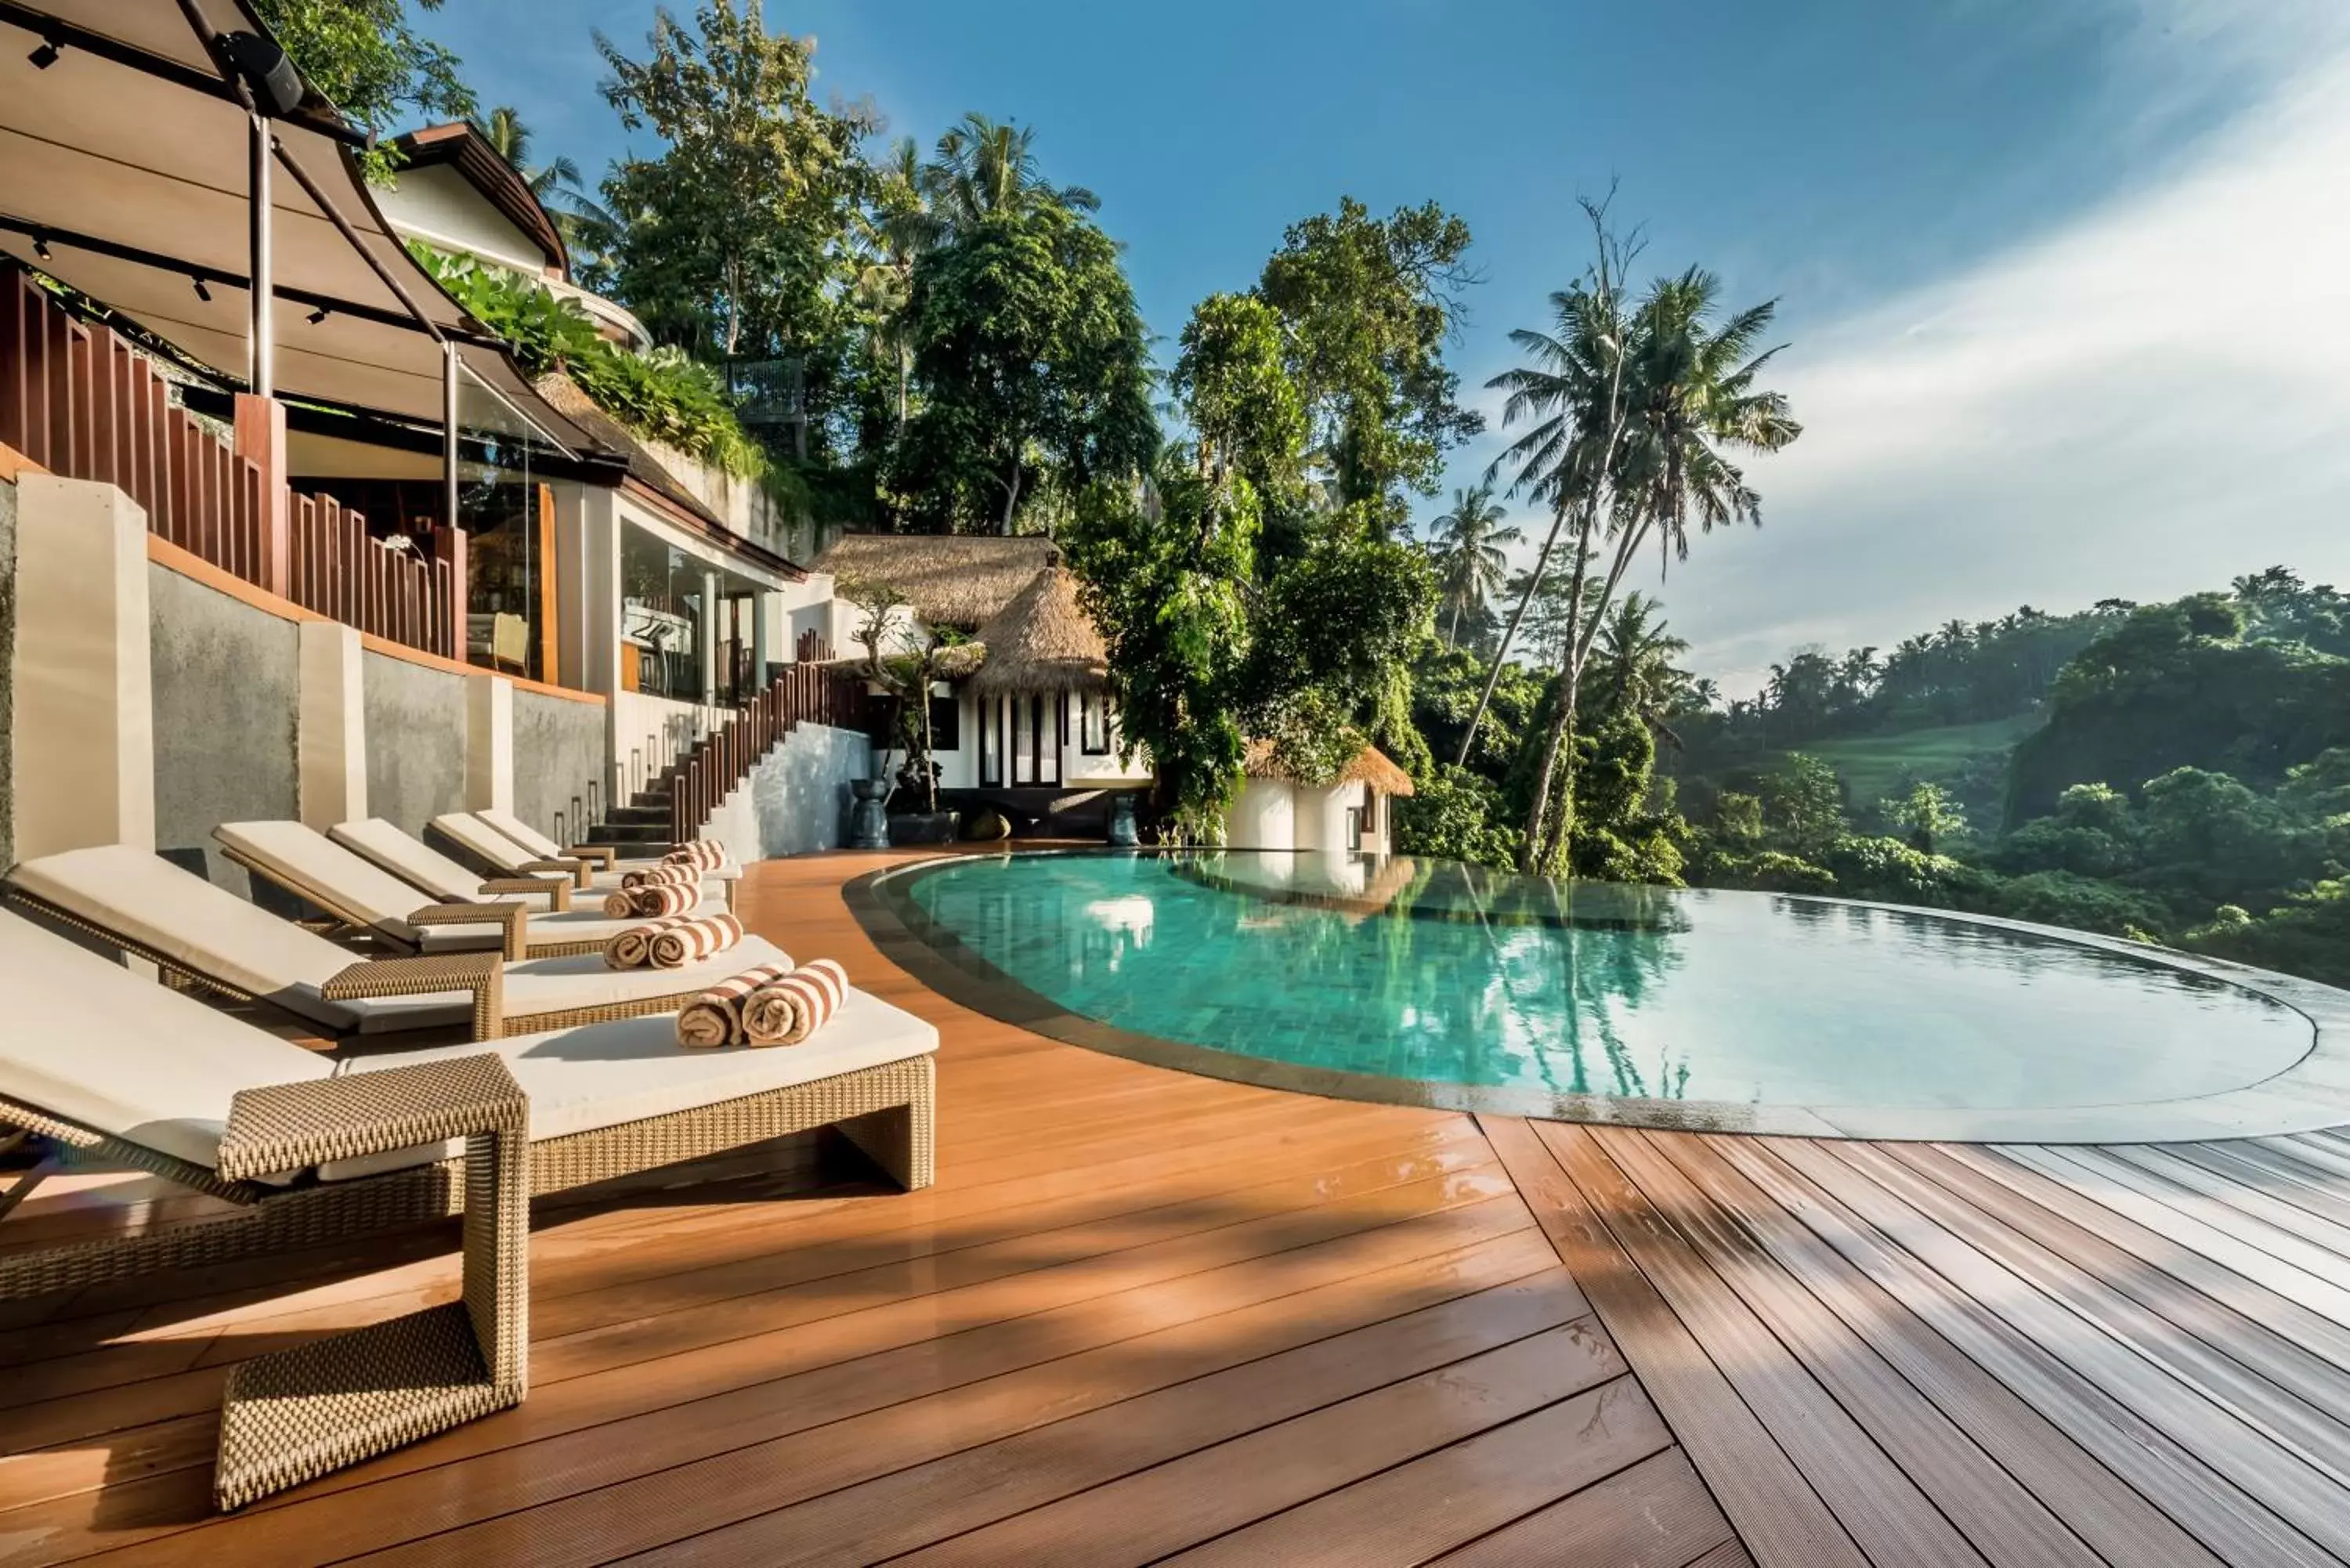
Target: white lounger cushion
x=413, y=861
x=217, y=934
x=539, y=844
x=311, y=863
x=89, y=1041
x=605, y=1074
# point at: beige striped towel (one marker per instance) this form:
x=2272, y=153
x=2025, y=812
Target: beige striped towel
x=651, y=901
x=716, y=1017
x=633, y=948
x=689, y=942
x=786, y=1010
x=702, y=855
x=664, y=872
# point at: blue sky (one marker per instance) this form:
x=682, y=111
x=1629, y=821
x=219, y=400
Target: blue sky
x=2056, y=274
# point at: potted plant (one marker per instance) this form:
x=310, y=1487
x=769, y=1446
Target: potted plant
x=904, y=660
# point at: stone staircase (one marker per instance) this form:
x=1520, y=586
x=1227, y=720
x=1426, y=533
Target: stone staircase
x=638, y=829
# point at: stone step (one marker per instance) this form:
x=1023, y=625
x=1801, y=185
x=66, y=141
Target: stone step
x=622, y=835
x=635, y=815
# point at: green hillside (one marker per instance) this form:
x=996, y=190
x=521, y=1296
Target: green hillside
x=1876, y=766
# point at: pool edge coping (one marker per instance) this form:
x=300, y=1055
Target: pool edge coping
x=2312, y=1094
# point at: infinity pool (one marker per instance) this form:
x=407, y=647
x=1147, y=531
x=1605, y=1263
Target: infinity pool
x=1339, y=973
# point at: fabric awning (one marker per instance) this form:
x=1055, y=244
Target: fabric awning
x=136, y=179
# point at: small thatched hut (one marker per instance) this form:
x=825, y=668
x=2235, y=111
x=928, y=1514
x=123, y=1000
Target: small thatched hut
x=1347, y=815
x=1045, y=672
x=1028, y=705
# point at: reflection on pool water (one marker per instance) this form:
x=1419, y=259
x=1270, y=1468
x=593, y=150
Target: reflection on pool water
x=1438, y=972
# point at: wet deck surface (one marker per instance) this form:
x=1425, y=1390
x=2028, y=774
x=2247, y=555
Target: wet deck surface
x=1147, y=1316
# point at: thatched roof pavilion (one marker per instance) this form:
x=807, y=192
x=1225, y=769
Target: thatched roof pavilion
x=948, y=579
x=1042, y=641
x=1370, y=765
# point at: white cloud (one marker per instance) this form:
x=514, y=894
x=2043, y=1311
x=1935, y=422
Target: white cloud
x=2149, y=400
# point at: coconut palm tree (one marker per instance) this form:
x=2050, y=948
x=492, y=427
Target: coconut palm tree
x=585, y=226
x=985, y=166
x=1637, y=414
x=891, y=232
x=1468, y=549
x=1638, y=650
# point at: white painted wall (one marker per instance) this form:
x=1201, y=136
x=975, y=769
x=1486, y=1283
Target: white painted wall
x=440, y=206
x=1264, y=816
x=1321, y=817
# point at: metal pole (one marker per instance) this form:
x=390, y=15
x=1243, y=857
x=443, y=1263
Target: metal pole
x=262, y=296
x=449, y=433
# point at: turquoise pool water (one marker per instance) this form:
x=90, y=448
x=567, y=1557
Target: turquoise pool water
x=1441, y=974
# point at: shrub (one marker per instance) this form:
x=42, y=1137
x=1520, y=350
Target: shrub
x=1456, y=814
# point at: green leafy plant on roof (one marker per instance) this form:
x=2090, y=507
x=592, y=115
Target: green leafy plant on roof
x=662, y=396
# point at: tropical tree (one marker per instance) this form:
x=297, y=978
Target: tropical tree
x=734, y=234
x=1032, y=363
x=368, y=59
x=1636, y=409
x=1636, y=650
x=986, y=166
x=1367, y=306
x=1469, y=555
x=891, y=231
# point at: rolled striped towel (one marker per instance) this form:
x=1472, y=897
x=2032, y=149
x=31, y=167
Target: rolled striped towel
x=664, y=872
x=651, y=901
x=786, y=1010
x=702, y=855
x=633, y=948
x=680, y=942
x=716, y=1017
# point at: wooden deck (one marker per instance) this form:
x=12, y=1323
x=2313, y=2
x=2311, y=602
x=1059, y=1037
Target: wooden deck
x=1145, y=1316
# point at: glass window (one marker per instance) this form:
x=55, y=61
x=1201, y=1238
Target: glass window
x=991, y=743
x=946, y=723
x=1024, y=740
x=661, y=613
x=1093, y=723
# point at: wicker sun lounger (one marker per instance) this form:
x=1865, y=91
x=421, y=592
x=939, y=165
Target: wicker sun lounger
x=421, y=865
x=598, y=856
x=106, y=1061
x=140, y=903
x=472, y=839
x=364, y=896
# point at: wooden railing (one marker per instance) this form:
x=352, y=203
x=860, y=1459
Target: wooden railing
x=722, y=760
x=80, y=400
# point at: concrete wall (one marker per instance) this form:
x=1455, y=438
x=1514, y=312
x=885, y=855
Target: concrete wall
x=558, y=762
x=415, y=741
x=8, y=674
x=796, y=799
x=226, y=682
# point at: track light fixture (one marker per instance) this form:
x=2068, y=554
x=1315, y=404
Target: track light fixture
x=40, y=244
x=317, y=316
x=202, y=292
x=46, y=55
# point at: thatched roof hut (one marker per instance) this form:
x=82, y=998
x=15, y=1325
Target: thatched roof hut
x=948, y=579
x=1042, y=641
x=1370, y=765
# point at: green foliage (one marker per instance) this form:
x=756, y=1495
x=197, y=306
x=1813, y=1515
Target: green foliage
x=368, y=59
x=1170, y=594
x=662, y=396
x=733, y=236
x=2209, y=837
x=2309, y=934
x=1890, y=871
x=1803, y=806
x=2058, y=898
x=1445, y=686
x=1029, y=350
x=1243, y=408
x=1457, y=814
x=1928, y=813
x=1368, y=305
x=2180, y=685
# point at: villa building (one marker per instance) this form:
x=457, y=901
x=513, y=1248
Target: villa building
x=1028, y=726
